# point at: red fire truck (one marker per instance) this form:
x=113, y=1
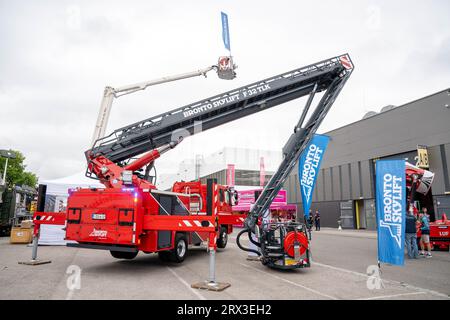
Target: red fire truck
x=440, y=233
x=130, y=215
x=130, y=219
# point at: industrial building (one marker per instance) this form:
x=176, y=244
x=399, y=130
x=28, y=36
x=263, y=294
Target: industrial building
x=345, y=187
x=246, y=167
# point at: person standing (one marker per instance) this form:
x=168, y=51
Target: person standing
x=294, y=218
x=411, y=236
x=425, y=237
x=317, y=220
x=307, y=219
x=310, y=221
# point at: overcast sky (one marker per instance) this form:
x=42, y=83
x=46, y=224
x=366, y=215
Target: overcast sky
x=57, y=56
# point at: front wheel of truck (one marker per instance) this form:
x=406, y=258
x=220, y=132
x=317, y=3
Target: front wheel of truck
x=179, y=252
x=223, y=238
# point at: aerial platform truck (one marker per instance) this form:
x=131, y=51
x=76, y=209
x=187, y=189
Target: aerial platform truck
x=130, y=215
x=419, y=181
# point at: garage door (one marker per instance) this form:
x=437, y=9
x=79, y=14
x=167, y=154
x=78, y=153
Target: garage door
x=347, y=219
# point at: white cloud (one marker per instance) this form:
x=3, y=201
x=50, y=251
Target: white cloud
x=57, y=56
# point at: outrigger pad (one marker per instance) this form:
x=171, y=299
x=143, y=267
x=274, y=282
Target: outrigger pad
x=34, y=262
x=211, y=286
x=253, y=258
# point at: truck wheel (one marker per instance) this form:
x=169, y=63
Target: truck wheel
x=179, y=252
x=223, y=238
x=123, y=255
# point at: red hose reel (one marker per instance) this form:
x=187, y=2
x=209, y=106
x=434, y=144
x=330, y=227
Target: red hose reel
x=290, y=241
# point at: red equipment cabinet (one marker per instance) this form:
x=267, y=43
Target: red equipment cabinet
x=106, y=216
x=440, y=233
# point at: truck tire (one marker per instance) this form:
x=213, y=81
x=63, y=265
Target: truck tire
x=180, y=250
x=123, y=255
x=222, y=239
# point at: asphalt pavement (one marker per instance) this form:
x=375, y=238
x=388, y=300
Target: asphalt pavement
x=356, y=250
x=339, y=271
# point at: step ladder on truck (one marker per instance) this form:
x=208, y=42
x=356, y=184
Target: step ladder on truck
x=130, y=215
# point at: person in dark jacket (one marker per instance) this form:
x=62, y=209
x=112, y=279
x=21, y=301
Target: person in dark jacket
x=317, y=220
x=307, y=219
x=310, y=221
x=411, y=236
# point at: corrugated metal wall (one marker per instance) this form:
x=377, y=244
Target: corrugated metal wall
x=347, y=171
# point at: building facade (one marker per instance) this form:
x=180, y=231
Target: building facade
x=345, y=187
x=247, y=178
x=247, y=165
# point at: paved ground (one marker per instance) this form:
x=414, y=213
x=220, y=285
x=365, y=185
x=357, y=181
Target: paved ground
x=339, y=272
x=356, y=250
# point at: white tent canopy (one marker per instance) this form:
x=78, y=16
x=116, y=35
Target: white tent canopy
x=60, y=187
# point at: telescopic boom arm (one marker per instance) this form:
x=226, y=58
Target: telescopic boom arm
x=163, y=132
x=282, y=245
x=225, y=71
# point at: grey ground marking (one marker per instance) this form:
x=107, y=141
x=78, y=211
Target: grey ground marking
x=187, y=285
x=291, y=282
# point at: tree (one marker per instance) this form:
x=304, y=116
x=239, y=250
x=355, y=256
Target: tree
x=16, y=174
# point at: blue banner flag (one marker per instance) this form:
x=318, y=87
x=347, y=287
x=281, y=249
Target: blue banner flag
x=225, y=31
x=391, y=210
x=308, y=168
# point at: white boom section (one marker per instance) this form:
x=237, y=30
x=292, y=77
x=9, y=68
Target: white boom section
x=110, y=93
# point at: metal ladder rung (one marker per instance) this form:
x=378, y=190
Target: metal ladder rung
x=273, y=248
